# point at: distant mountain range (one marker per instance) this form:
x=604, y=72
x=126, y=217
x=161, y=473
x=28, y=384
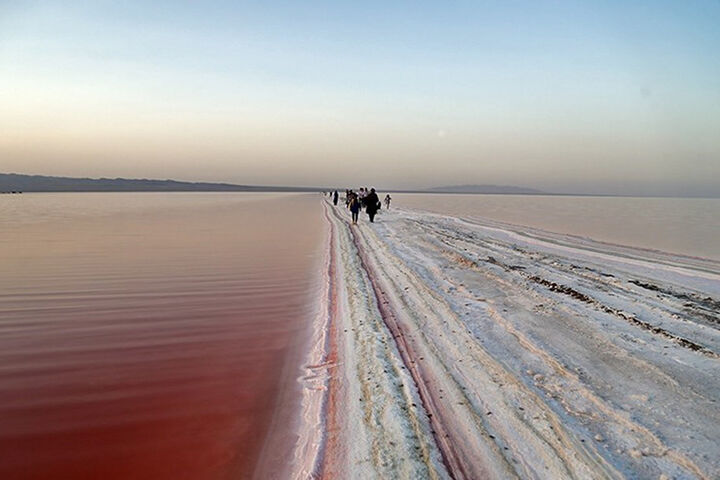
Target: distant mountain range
x=497, y=189
x=10, y=182
x=13, y=182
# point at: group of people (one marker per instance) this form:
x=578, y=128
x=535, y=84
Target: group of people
x=362, y=199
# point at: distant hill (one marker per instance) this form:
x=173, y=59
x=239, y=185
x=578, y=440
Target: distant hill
x=13, y=182
x=485, y=189
x=37, y=183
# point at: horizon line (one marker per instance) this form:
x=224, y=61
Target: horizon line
x=302, y=188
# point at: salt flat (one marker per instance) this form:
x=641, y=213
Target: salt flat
x=452, y=348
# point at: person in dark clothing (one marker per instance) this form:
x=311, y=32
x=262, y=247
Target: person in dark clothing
x=372, y=204
x=335, y=198
x=354, y=208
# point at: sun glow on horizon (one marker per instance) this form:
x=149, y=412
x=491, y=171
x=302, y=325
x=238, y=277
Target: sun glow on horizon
x=553, y=96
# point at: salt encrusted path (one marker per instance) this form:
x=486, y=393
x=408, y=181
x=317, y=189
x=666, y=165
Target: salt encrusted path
x=467, y=349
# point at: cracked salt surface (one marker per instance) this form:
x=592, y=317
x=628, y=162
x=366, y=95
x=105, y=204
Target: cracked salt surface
x=470, y=350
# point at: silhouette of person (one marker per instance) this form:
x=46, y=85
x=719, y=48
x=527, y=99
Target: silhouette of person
x=354, y=208
x=372, y=204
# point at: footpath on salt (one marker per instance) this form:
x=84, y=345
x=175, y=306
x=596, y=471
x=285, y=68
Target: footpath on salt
x=455, y=348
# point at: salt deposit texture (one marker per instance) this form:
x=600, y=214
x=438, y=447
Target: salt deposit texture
x=456, y=348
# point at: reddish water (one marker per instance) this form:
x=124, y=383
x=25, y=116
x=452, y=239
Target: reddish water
x=150, y=335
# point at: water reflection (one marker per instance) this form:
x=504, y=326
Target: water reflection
x=145, y=336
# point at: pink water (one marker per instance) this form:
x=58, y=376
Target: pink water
x=151, y=335
x=688, y=226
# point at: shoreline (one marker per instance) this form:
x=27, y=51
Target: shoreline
x=571, y=239
x=314, y=380
x=304, y=378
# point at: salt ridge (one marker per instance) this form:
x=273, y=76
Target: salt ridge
x=464, y=350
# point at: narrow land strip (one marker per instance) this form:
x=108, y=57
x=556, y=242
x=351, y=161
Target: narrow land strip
x=466, y=352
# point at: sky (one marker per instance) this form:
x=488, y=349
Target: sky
x=586, y=97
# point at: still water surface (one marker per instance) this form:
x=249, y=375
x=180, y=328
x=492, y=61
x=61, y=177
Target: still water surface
x=689, y=226
x=150, y=335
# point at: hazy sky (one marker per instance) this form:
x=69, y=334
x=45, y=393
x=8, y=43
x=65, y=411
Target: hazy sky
x=571, y=96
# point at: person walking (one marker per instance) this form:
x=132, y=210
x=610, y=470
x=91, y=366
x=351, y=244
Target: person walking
x=372, y=204
x=354, y=208
x=335, y=198
x=361, y=197
x=387, y=201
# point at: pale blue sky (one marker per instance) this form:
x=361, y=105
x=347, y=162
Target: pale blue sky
x=571, y=96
